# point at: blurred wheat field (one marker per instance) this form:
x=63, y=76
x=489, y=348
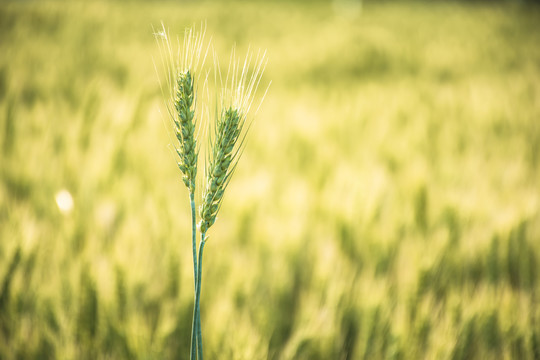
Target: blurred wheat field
x=387, y=204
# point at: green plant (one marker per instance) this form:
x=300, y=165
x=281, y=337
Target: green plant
x=181, y=102
x=226, y=137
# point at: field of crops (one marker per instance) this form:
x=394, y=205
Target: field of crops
x=387, y=204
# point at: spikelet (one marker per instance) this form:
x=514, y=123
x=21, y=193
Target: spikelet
x=182, y=72
x=229, y=132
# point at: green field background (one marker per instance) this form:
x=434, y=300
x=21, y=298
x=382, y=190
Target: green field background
x=387, y=204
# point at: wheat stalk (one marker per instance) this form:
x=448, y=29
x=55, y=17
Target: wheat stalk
x=181, y=104
x=225, y=149
x=225, y=145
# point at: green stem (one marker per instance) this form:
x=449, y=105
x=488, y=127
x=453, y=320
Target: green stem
x=194, y=235
x=193, y=354
x=198, y=297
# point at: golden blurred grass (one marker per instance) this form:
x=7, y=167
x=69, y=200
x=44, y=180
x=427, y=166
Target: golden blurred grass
x=387, y=205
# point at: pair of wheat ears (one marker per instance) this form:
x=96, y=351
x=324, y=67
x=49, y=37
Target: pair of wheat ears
x=226, y=134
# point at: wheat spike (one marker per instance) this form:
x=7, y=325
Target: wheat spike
x=181, y=75
x=229, y=133
x=184, y=127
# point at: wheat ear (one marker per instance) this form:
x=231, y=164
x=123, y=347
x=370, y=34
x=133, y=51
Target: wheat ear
x=230, y=130
x=184, y=127
x=181, y=108
x=225, y=149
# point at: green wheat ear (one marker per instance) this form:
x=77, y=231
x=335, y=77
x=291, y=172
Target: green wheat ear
x=184, y=127
x=181, y=75
x=229, y=126
x=230, y=130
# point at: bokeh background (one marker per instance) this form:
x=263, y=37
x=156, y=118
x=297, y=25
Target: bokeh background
x=387, y=204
